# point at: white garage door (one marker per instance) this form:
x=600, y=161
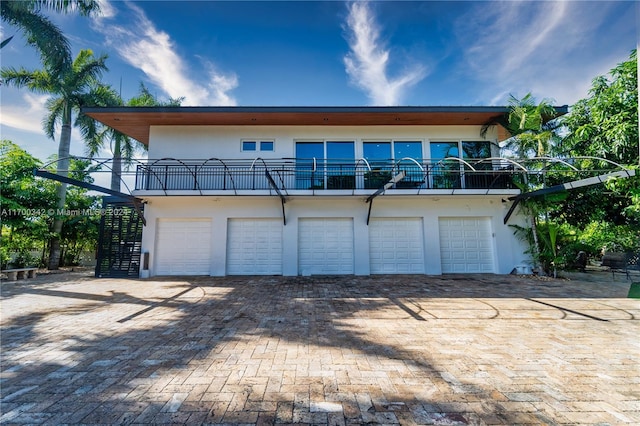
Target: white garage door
x=466, y=245
x=183, y=247
x=254, y=247
x=395, y=246
x=325, y=246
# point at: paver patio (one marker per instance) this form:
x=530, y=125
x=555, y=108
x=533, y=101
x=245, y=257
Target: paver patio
x=453, y=349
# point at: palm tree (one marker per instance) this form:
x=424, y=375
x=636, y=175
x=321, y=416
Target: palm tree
x=532, y=126
x=39, y=31
x=122, y=146
x=533, y=129
x=71, y=87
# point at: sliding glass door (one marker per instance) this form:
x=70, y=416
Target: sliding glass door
x=325, y=165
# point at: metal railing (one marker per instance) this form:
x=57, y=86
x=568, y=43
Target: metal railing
x=319, y=174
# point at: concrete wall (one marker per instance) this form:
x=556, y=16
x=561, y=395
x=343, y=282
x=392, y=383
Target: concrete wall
x=225, y=142
x=509, y=252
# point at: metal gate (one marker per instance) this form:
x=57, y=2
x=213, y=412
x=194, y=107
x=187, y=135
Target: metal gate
x=120, y=239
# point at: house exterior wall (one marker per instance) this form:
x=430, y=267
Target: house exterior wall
x=203, y=142
x=507, y=249
x=218, y=213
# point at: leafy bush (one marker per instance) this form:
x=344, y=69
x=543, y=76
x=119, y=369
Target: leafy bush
x=601, y=237
x=5, y=257
x=24, y=259
x=558, y=245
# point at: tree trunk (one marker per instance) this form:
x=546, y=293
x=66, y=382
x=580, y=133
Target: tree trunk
x=116, y=173
x=116, y=167
x=61, y=192
x=536, y=245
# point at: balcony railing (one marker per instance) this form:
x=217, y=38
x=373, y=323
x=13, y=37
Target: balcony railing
x=315, y=174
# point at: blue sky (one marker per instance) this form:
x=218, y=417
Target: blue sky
x=335, y=53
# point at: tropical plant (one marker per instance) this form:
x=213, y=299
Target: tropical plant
x=71, y=87
x=82, y=223
x=19, y=190
x=122, y=146
x=556, y=245
x=605, y=124
x=600, y=237
x=532, y=125
x=40, y=32
x=24, y=204
x=28, y=209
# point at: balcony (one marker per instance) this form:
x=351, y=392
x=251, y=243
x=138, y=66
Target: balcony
x=317, y=176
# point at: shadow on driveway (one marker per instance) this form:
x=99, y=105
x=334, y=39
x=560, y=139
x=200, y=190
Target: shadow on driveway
x=481, y=349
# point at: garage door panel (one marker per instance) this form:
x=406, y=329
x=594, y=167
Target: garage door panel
x=183, y=247
x=254, y=246
x=466, y=245
x=325, y=246
x=396, y=246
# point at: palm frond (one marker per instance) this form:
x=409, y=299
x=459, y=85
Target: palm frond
x=40, y=32
x=91, y=133
x=56, y=107
x=5, y=42
x=83, y=7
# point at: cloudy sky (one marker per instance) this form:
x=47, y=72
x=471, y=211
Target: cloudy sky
x=333, y=53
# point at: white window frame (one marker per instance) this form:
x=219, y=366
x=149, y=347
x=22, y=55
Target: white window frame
x=258, y=142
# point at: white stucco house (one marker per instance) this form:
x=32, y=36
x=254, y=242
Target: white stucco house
x=322, y=190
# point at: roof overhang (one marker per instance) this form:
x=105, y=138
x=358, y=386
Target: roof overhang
x=136, y=121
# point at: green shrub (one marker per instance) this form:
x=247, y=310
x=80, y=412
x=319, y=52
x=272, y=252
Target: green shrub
x=24, y=259
x=601, y=237
x=5, y=257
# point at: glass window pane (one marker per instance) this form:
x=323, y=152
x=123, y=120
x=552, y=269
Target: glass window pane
x=377, y=154
x=248, y=145
x=410, y=149
x=440, y=150
x=266, y=146
x=377, y=150
x=445, y=174
x=340, y=165
x=480, y=149
x=310, y=150
x=340, y=150
x=477, y=150
x=414, y=177
x=306, y=176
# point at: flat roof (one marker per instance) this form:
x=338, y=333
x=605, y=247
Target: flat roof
x=136, y=121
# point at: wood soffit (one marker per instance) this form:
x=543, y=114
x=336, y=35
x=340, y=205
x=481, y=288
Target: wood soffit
x=136, y=122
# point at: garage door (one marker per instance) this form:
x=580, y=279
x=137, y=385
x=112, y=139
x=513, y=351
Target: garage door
x=396, y=246
x=466, y=245
x=325, y=246
x=254, y=247
x=183, y=247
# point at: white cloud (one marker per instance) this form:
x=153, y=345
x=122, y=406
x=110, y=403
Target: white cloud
x=366, y=63
x=20, y=114
x=151, y=50
x=107, y=10
x=552, y=49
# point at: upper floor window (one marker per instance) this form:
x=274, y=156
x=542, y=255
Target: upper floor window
x=476, y=149
x=377, y=153
x=257, y=145
x=469, y=150
x=388, y=157
x=382, y=152
x=455, y=174
x=325, y=164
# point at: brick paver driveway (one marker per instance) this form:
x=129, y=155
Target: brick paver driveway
x=449, y=350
